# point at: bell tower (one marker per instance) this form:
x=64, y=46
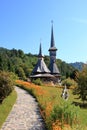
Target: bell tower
x=52, y=49
x=52, y=52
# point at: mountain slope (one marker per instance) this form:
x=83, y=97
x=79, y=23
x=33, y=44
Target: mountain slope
x=78, y=65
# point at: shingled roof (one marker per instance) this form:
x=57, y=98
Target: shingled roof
x=54, y=69
x=40, y=67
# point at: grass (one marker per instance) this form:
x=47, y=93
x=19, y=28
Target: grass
x=49, y=96
x=55, y=96
x=83, y=116
x=6, y=106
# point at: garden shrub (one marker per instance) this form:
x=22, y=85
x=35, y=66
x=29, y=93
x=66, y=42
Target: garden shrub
x=37, y=81
x=65, y=113
x=6, y=84
x=69, y=82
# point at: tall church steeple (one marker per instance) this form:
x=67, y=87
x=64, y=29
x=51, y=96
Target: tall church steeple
x=52, y=52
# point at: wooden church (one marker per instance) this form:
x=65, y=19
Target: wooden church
x=41, y=70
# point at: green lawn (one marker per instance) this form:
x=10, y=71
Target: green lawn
x=6, y=106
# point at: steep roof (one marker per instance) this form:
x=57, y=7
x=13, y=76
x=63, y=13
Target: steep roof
x=40, y=66
x=54, y=69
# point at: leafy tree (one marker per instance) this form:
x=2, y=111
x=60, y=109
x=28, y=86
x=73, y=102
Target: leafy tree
x=14, y=52
x=20, y=72
x=74, y=74
x=3, y=62
x=21, y=53
x=69, y=82
x=47, y=60
x=65, y=68
x=6, y=84
x=81, y=89
x=26, y=70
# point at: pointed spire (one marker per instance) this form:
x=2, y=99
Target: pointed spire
x=40, y=51
x=52, y=45
x=52, y=36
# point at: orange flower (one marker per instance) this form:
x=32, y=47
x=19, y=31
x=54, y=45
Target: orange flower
x=38, y=89
x=48, y=109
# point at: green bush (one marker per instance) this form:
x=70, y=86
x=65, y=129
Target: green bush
x=65, y=113
x=69, y=82
x=37, y=81
x=6, y=84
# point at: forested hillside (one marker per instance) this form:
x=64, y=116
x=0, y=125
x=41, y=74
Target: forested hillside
x=22, y=64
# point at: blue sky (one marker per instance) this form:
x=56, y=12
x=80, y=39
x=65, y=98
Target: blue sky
x=24, y=23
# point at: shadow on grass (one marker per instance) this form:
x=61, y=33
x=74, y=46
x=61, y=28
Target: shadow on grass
x=81, y=105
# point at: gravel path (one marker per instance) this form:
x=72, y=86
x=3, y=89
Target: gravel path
x=25, y=114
